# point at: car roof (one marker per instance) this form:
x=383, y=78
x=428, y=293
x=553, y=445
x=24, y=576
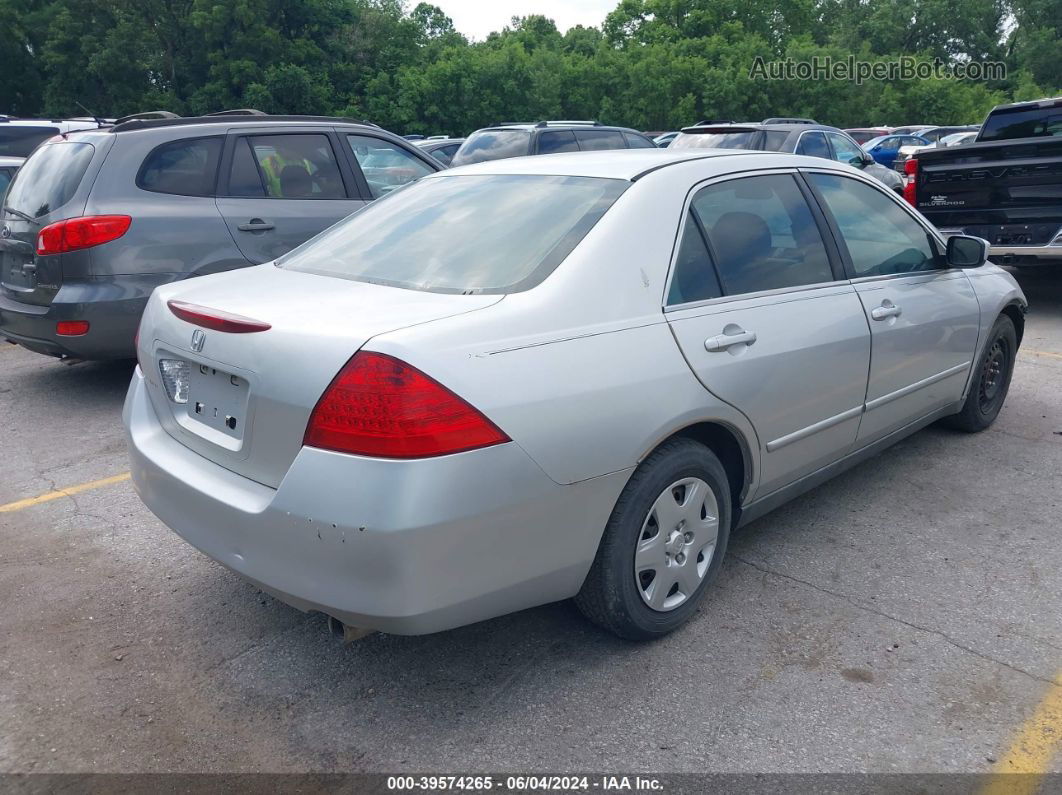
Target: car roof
x=435, y=143
x=741, y=126
x=226, y=121
x=629, y=164
x=555, y=125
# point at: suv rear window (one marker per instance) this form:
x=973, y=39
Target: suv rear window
x=187, y=167
x=462, y=234
x=49, y=179
x=716, y=140
x=1032, y=123
x=17, y=140
x=493, y=145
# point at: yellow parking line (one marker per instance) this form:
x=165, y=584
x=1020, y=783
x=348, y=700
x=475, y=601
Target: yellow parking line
x=29, y=502
x=1042, y=353
x=1031, y=752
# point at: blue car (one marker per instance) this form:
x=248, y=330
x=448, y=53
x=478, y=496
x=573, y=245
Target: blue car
x=884, y=148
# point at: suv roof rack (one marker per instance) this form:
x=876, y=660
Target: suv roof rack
x=566, y=122
x=703, y=122
x=788, y=120
x=238, y=112
x=147, y=124
x=147, y=114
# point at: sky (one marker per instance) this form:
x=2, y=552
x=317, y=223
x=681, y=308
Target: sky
x=477, y=18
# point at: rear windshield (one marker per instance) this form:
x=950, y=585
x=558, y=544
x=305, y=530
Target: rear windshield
x=462, y=234
x=493, y=145
x=1032, y=123
x=49, y=179
x=721, y=140
x=17, y=140
x=861, y=136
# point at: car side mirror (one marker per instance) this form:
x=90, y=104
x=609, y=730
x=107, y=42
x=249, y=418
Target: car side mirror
x=965, y=251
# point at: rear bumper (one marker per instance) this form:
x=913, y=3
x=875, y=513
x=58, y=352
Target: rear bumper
x=112, y=308
x=407, y=547
x=1026, y=255
x=1016, y=254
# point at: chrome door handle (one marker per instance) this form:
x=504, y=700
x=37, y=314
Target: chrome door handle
x=732, y=335
x=255, y=225
x=886, y=310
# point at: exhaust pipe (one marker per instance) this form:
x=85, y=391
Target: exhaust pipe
x=345, y=632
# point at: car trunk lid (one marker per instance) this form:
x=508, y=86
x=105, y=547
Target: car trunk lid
x=242, y=399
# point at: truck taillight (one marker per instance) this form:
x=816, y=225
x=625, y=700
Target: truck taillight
x=910, y=170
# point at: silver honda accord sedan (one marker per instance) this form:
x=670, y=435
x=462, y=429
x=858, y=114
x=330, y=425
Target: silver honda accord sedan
x=559, y=376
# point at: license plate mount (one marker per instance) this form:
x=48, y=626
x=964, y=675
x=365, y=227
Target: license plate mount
x=218, y=400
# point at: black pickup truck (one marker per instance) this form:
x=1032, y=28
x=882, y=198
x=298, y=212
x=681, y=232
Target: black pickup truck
x=1005, y=187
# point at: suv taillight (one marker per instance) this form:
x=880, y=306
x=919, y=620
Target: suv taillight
x=910, y=170
x=382, y=407
x=84, y=232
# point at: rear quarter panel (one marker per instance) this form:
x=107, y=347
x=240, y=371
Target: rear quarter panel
x=171, y=236
x=582, y=371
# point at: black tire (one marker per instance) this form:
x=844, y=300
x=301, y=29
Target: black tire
x=991, y=380
x=610, y=596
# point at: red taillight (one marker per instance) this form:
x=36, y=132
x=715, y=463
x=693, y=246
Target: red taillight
x=382, y=407
x=71, y=328
x=216, y=319
x=77, y=233
x=910, y=168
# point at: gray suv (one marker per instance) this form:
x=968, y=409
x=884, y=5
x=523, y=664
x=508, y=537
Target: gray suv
x=95, y=220
x=802, y=137
x=513, y=139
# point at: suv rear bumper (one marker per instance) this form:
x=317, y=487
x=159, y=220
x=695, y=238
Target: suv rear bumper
x=112, y=308
x=407, y=547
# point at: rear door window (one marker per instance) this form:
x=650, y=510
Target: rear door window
x=635, y=141
x=1031, y=123
x=844, y=149
x=444, y=154
x=600, y=139
x=762, y=234
x=774, y=140
x=291, y=166
x=386, y=165
x=5, y=178
x=813, y=144
x=694, y=277
x=17, y=140
x=50, y=178
x=187, y=167
x=557, y=141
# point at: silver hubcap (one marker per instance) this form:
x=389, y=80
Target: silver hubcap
x=676, y=544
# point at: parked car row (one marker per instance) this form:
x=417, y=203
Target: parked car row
x=411, y=400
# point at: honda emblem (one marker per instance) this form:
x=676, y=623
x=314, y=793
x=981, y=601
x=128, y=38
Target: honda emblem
x=198, y=340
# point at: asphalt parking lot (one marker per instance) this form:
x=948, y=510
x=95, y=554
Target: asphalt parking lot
x=905, y=617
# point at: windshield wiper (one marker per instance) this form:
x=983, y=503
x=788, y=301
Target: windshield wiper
x=22, y=215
